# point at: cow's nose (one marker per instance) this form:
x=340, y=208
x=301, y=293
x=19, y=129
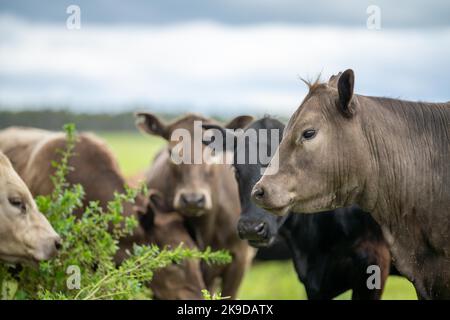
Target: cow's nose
x=193, y=199
x=252, y=231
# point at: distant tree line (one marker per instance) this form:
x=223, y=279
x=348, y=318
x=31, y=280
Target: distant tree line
x=54, y=120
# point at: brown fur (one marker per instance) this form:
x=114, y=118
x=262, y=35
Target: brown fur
x=216, y=227
x=380, y=256
x=32, y=151
x=175, y=282
x=96, y=169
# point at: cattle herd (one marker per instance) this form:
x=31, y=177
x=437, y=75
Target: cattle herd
x=359, y=181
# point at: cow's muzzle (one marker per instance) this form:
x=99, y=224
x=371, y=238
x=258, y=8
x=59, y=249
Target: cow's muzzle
x=266, y=198
x=256, y=232
x=192, y=203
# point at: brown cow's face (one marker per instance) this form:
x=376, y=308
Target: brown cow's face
x=193, y=181
x=193, y=188
x=25, y=234
x=318, y=157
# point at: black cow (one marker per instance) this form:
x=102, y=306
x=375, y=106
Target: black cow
x=331, y=250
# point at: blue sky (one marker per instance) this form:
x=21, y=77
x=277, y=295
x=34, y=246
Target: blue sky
x=216, y=57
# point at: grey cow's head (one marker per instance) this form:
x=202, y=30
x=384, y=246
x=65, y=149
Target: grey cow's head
x=322, y=155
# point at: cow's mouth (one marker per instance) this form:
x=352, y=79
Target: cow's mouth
x=263, y=243
x=192, y=211
x=32, y=262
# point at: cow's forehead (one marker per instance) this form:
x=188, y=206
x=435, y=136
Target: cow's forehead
x=14, y=186
x=317, y=102
x=298, y=114
x=187, y=122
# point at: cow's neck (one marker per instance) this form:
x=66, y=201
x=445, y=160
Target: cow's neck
x=408, y=187
x=126, y=243
x=203, y=228
x=409, y=154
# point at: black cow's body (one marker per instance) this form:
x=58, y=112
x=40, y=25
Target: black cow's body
x=331, y=250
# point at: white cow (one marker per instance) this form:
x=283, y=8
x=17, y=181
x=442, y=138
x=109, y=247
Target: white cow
x=25, y=234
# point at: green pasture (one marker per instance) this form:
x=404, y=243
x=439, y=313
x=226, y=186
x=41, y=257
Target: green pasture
x=134, y=150
x=264, y=280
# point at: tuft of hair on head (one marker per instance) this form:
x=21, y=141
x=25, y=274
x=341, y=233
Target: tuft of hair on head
x=313, y=84
x=269, y=116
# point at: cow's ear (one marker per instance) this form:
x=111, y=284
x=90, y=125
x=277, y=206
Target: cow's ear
x=345, y=89
x=239, y=122
x=146, y=216
x=332, y=82
x=156, y=200
x=151, y=124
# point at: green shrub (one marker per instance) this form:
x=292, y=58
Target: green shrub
x=89, y=246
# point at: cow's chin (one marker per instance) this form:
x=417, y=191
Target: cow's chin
x=280, y=210
x=192, y=212
x=310, y=204
x=12, y=259
x=314, y=204
x=263, y=243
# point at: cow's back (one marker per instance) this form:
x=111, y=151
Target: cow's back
x=32, y=152
x=19, y=144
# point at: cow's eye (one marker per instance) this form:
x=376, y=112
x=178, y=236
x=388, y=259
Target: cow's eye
x=309, y=134
x=17, y=202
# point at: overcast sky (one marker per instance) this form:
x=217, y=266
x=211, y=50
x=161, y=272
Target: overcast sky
x=396, y=14
x=216, y=56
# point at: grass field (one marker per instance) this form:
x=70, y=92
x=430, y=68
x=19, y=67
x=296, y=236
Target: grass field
x=265, y=280
x=135, y=151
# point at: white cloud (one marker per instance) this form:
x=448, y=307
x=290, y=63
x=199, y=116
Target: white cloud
x=209, y=67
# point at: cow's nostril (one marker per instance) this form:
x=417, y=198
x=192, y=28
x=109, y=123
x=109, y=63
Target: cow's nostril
x=261, y=230
x=200, y=201
x=58, y=244
x=260, y=227
x=258, y=193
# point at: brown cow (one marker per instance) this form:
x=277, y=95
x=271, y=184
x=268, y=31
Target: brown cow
x=25, y=234
x=391, y=157
x=166, y=230
x=32, y=151
x=205, y=193
x=95, y=168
